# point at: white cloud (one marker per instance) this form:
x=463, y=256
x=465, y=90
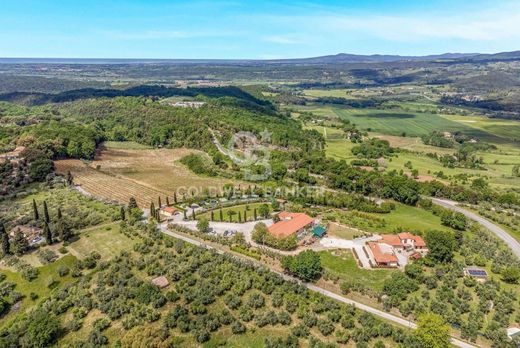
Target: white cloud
x=283, y=39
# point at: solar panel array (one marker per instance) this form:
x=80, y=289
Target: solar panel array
x=477, y=272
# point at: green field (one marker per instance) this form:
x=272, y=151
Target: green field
x=107, y=240
x=38, y=286
x=410, y=218
x=341, y=263
x=247, y=209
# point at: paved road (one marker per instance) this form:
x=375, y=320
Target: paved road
x=500, y=232
x=313, y=287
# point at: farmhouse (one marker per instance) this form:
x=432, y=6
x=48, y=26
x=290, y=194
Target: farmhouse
x=169, y=211
x=292, y=224
x=382, y=254
x=188, y=104
x=32, y=234
x=394, y=250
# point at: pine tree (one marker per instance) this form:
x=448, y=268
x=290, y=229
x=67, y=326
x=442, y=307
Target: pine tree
x=132, y=203
x=46, y=212
x=159, y=200
x=47, y=233
x=221, y=215
x=175, y=197
x=122, y=214
x=6, y=247
x=36, y=215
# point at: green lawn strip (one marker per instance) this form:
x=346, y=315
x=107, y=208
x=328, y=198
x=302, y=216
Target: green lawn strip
x=344, y=266
x=126, y=145
x=237, y=208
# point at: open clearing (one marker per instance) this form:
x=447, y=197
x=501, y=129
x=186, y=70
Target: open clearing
x=341, y=263
x=120, y=171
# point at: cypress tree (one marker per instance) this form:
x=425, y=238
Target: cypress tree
x=70, y=179
x=47, y=233
x=36, y=215
x=212, y=217
x=159, y=200
x=254, y=214
x=221, y=215
x=175, y=197
x=132, y=203
x=239, y=217
x=60, y=216
x=6, y=246
x=245, y=215
x=152, y=211
x=167, y=201
x=193, y=214
x=122, y=214
x=20, y=244
x=46, y=212
x=185, y=216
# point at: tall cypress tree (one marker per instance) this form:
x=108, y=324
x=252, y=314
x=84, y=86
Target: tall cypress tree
x=70, y=179
x=152, y=211
x=47, y=233
x=159, y=200
x=6, y=246
x=221, y=215
x=46, y=212
x=212, y=217
x=254, y=214
x=122, y=214
x=132, y=203
x=239, y=217
x=245, y=215
x=167, y=201
x=36, y=215
x=193, y=214
x=175, y=197
x=60, y=216
x=185, y=216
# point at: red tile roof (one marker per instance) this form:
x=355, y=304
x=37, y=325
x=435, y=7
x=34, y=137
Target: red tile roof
x=405, y=235
x=419, y=242
x=170, y=210
x=380, y=256
x=391, y=239
x=290, y=223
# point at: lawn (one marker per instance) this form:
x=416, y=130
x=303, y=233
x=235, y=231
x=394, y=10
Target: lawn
x=107, y=240
x=408, y=218
x=341, y=263
x=247, y=209
x=38, y=286
x=342, y=231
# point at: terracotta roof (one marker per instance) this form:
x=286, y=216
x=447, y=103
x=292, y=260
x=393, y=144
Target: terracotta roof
x=405, y=235
x=290, y=223
x=170, y=210
x=379, y=255
x=419, y=242
x=391, y=239
x=161, y=282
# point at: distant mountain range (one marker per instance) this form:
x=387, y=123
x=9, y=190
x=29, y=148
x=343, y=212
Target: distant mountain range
x=341, y=58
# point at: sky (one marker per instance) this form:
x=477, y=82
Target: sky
x=254, y=29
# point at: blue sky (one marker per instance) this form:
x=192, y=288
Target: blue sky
x=254, y=29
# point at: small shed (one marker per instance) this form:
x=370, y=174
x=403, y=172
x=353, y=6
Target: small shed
x=161, y=282
x=319, y=231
